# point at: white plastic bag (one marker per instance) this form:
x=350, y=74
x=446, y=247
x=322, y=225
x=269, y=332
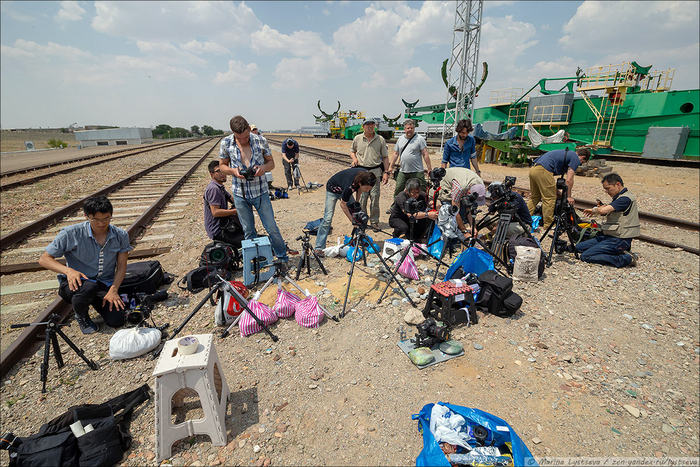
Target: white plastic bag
x=133, y=342
x=527, y=261
x=449, y=427
x=337, y=250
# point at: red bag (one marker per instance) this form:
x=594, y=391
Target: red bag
x=247, y=324
x=227, y=307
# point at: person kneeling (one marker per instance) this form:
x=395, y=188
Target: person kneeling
x=514, y=228
x=342, y=186
x=96, y=254
x=400, y=220
x=220, y=222
x=621, y=226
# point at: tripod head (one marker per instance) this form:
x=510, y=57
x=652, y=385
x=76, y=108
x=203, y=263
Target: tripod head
x=54, y=321
x=304, y=238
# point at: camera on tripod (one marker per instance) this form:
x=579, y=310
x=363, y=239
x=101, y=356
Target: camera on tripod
x=436, y=175
x=414, y=206
x=430, y=333
x=248, y=172
x=144, y=306
x=502, y=195
x=359, y=217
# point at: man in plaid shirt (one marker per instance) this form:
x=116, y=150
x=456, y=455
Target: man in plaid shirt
x=245, y=150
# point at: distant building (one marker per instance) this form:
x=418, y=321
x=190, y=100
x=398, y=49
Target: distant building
x=114, y=137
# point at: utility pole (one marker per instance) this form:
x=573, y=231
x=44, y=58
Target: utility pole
x=461, y=73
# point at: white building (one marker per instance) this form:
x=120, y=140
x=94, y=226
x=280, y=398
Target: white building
x=114, y=137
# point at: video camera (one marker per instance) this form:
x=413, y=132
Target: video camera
x=142, y=311
x=248, y=172
x=502, y=195
x=413, y=206
x=436, y=175
x=430, y=333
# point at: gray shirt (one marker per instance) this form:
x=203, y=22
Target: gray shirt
x=411, y=158
x=84, y=254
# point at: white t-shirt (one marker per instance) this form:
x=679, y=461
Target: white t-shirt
x=411, y=159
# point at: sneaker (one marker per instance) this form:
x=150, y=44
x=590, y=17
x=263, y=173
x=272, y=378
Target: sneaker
x=320, y=253
x=388, y=211
x=634, y=257
x=87, y=326
x=290, y=188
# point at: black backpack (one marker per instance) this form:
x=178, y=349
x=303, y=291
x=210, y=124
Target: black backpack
x=55, y=444
x=143, y=277
x=497, y=296
x=522, y=240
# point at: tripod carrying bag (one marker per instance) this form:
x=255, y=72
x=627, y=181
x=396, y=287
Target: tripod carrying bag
x=497, y=296
x=55, y=444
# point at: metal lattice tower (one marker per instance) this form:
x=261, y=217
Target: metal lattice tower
x=461, y=73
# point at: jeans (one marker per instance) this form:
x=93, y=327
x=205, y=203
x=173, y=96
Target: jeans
x=328, y=211
x=263, y=205
x=373, y=196
x=605, y=249
x=288, y=174
x=91, y=293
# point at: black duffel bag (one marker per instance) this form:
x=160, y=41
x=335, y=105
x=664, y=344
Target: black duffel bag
x=497, y=296
x=143, y=277
x=56, y=445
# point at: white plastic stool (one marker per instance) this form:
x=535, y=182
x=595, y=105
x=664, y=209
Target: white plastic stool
x=392, y=246
x=188, y=375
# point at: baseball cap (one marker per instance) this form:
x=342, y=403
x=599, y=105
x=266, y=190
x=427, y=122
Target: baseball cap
x=253, y=127
x=369, y=120
x=480, y=190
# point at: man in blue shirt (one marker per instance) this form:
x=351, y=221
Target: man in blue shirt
x=290, y=156
x=243, y=150
x=543, y=186
x=96, y=254
x=461, y=148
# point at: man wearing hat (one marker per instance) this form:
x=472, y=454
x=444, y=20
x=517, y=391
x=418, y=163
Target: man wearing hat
x=290, y=156
x=459, y=183
x=370, y=152
x=254, y=130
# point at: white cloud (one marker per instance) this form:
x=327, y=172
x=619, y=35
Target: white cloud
x=197, y=47
x=302, y=73
x=505, y=39
x=238, y=73
x=6, y=9
x=269, y=41
x=326, y=12
x=432, y=17
x=169, y=53
x=70, y=11
x=369, y=37
x=14, y=52
x=376, y=81
x=47, y=52
x=414, y=76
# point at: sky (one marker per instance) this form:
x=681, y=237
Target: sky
x=139, y=63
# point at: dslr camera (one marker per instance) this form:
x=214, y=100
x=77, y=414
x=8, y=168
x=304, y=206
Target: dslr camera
x=142, y=311
x=359, y=218
x=413, y=206
x=430, y=333
x=248, y=172
x=436, y=175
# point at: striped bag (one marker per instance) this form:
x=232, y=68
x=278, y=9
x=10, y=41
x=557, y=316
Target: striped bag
x=285, y=304
x=308, y=312
x=247, y=324
x=408, y=268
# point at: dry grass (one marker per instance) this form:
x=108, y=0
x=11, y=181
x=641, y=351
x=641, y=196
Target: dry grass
x=14, y=140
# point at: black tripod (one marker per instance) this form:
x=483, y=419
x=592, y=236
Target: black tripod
x=306, y=255
x=359, y=239
x=53, y=327
x=564, y=219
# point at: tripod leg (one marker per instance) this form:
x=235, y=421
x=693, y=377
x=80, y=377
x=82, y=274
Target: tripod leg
x=56, y=349
x=352, y=269
x=404, y=253
x=308, y=264
x=442, y=255
x=393, y=276
x=301, y=263
x=92, y=365
x=244, y=303
x=45, y=363
x=320, y=263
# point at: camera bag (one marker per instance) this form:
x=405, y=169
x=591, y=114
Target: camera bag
x=522, y=240
x=497, y=296
x=143, y=277
x=55, y=443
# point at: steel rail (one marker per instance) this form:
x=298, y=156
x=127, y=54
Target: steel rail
x=23, y=343
x=27, y=181
x=20, y=234
x=83, y=158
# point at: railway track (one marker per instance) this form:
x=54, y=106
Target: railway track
x=580, y=203
x=89, y=161
x=138, y=199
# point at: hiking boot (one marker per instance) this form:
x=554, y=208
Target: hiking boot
x=320, y=253
x=634, y=257
x=87, y=326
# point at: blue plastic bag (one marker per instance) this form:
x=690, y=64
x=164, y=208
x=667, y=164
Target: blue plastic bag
x=536, y=221
x=351, y=251
x=435, y=245
x=502, y=433
x=471, y=260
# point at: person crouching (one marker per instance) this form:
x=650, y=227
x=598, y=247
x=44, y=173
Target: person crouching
x=400, y=220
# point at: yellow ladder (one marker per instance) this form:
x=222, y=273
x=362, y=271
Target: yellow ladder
x=607, y=115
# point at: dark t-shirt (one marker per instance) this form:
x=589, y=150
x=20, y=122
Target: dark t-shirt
x=559, y=161
x=520, y=209
x=292, y=152
x=214, y=194
x=399, y=201
x=342, y=182
x=620, y=202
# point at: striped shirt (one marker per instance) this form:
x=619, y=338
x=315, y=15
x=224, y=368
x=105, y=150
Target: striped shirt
x=258, y=148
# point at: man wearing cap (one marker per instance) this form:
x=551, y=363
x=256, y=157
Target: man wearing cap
x=254, y=130
x=369, y=151
x=290, y=156
x=543, y=186
x=458, y=183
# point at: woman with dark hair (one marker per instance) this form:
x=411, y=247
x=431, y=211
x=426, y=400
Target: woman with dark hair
x=342, y=186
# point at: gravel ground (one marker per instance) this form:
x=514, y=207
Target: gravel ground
x=598, y=362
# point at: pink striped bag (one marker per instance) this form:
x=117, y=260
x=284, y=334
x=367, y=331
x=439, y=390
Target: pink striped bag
x=285, y=304
x=247, y=324
x=408, y=268
x=308, y=312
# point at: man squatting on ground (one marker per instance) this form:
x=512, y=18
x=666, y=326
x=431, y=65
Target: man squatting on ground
x=369, y=152
x=290, y=155
x=461, y=148
x=543, y=186
x=399, y=220
x=96, y=254
x=410, y=152
x=245, y=150
x=220, y=222
x=342, y=186
x=521, y=210
x=621, y=226
x=458, y=183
